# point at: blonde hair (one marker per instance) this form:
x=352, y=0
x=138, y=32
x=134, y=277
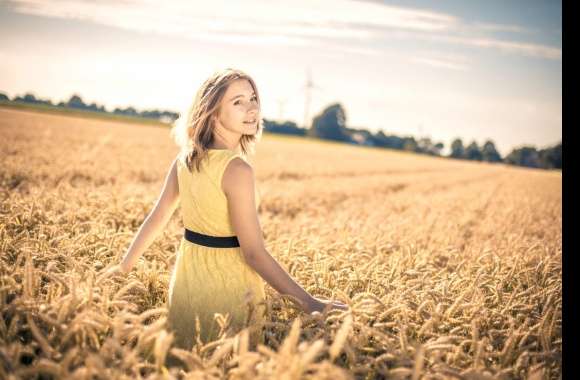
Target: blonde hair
x=193, y=130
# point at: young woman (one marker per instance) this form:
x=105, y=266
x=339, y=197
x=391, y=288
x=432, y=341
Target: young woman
x=222, y=254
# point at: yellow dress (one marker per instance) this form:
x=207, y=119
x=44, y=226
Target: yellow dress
x=209, y=280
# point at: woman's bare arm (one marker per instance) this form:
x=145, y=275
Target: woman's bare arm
x=155, y=221
x=238, y=185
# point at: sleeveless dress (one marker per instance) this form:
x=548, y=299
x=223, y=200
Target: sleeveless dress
x=209, y=280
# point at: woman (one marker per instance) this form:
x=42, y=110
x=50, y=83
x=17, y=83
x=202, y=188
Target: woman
x=222, y=255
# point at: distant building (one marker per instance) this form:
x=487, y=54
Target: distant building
x=166, y=119
x=361, y=138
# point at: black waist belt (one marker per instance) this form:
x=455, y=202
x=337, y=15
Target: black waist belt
x=211, y=241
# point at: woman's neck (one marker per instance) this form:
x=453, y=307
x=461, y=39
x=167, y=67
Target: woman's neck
x=219, y=143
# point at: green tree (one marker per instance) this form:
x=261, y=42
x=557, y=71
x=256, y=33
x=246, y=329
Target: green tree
x=76, y=101
x=490, y=153
x=525, y=156
x=457, y=150
x=330, y=124
x=472, y=152
x=551, y=158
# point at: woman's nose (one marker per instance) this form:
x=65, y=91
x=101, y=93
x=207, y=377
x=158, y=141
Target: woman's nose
x=253, y=108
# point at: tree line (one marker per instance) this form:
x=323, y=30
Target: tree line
x=77, y=103
x=330, y=124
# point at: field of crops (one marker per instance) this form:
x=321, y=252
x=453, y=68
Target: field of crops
x=452, y=269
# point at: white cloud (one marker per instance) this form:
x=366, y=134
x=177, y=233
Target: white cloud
x=524, y=48
x=302, y=17
x=295, y=23
x=488, y=27
x=441, y=63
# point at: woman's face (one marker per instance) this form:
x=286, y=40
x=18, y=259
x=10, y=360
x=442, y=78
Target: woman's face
x=239, y=110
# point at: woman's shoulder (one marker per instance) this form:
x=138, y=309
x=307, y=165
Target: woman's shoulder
x=235, y=163
x=237, y=173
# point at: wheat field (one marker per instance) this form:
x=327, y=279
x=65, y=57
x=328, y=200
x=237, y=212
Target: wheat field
x=452, y=269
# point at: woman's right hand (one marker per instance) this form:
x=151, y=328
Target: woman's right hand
x=316, y=305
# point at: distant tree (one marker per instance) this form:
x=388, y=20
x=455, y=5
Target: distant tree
x=556, y=156
x=163, y=116
x=151, y=114
x=525, y=156
x=551, y=158
x=410, y=144
x=29, y=98
x=457, y=150
x=379, y=139
x=93, y=107
x=170, y=115
x=129, y=111
x=388, y=141
x=489, y=152
x=4, y=97
x=472, y=152
x=330, y=124
x=426, y=146
x=360, y=136
x=287, y=128
x=396, y=142
x=76, y=101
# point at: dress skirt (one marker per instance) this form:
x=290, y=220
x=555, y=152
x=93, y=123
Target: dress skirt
x=206, y=281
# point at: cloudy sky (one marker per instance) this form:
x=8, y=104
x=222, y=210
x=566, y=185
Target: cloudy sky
x=442, y=69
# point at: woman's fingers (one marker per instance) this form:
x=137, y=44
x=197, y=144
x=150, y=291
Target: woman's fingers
x=336, y=305
x=340, y=305
x=321, y=304
x=114, y=270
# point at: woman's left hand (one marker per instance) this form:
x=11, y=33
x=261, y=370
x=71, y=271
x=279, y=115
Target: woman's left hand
x=110, y=272
x=317, y=306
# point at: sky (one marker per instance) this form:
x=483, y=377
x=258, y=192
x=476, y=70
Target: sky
x=445, y=69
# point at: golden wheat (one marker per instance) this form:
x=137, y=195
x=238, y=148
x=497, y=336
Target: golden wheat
x=451, y=269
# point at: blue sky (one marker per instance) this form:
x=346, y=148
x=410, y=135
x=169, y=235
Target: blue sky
x=443, y=69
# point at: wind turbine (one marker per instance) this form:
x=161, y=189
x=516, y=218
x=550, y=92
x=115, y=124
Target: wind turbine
x=281, y=103
x=308, y=98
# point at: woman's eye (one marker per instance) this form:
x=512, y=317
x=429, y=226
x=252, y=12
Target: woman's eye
x=238, y=102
